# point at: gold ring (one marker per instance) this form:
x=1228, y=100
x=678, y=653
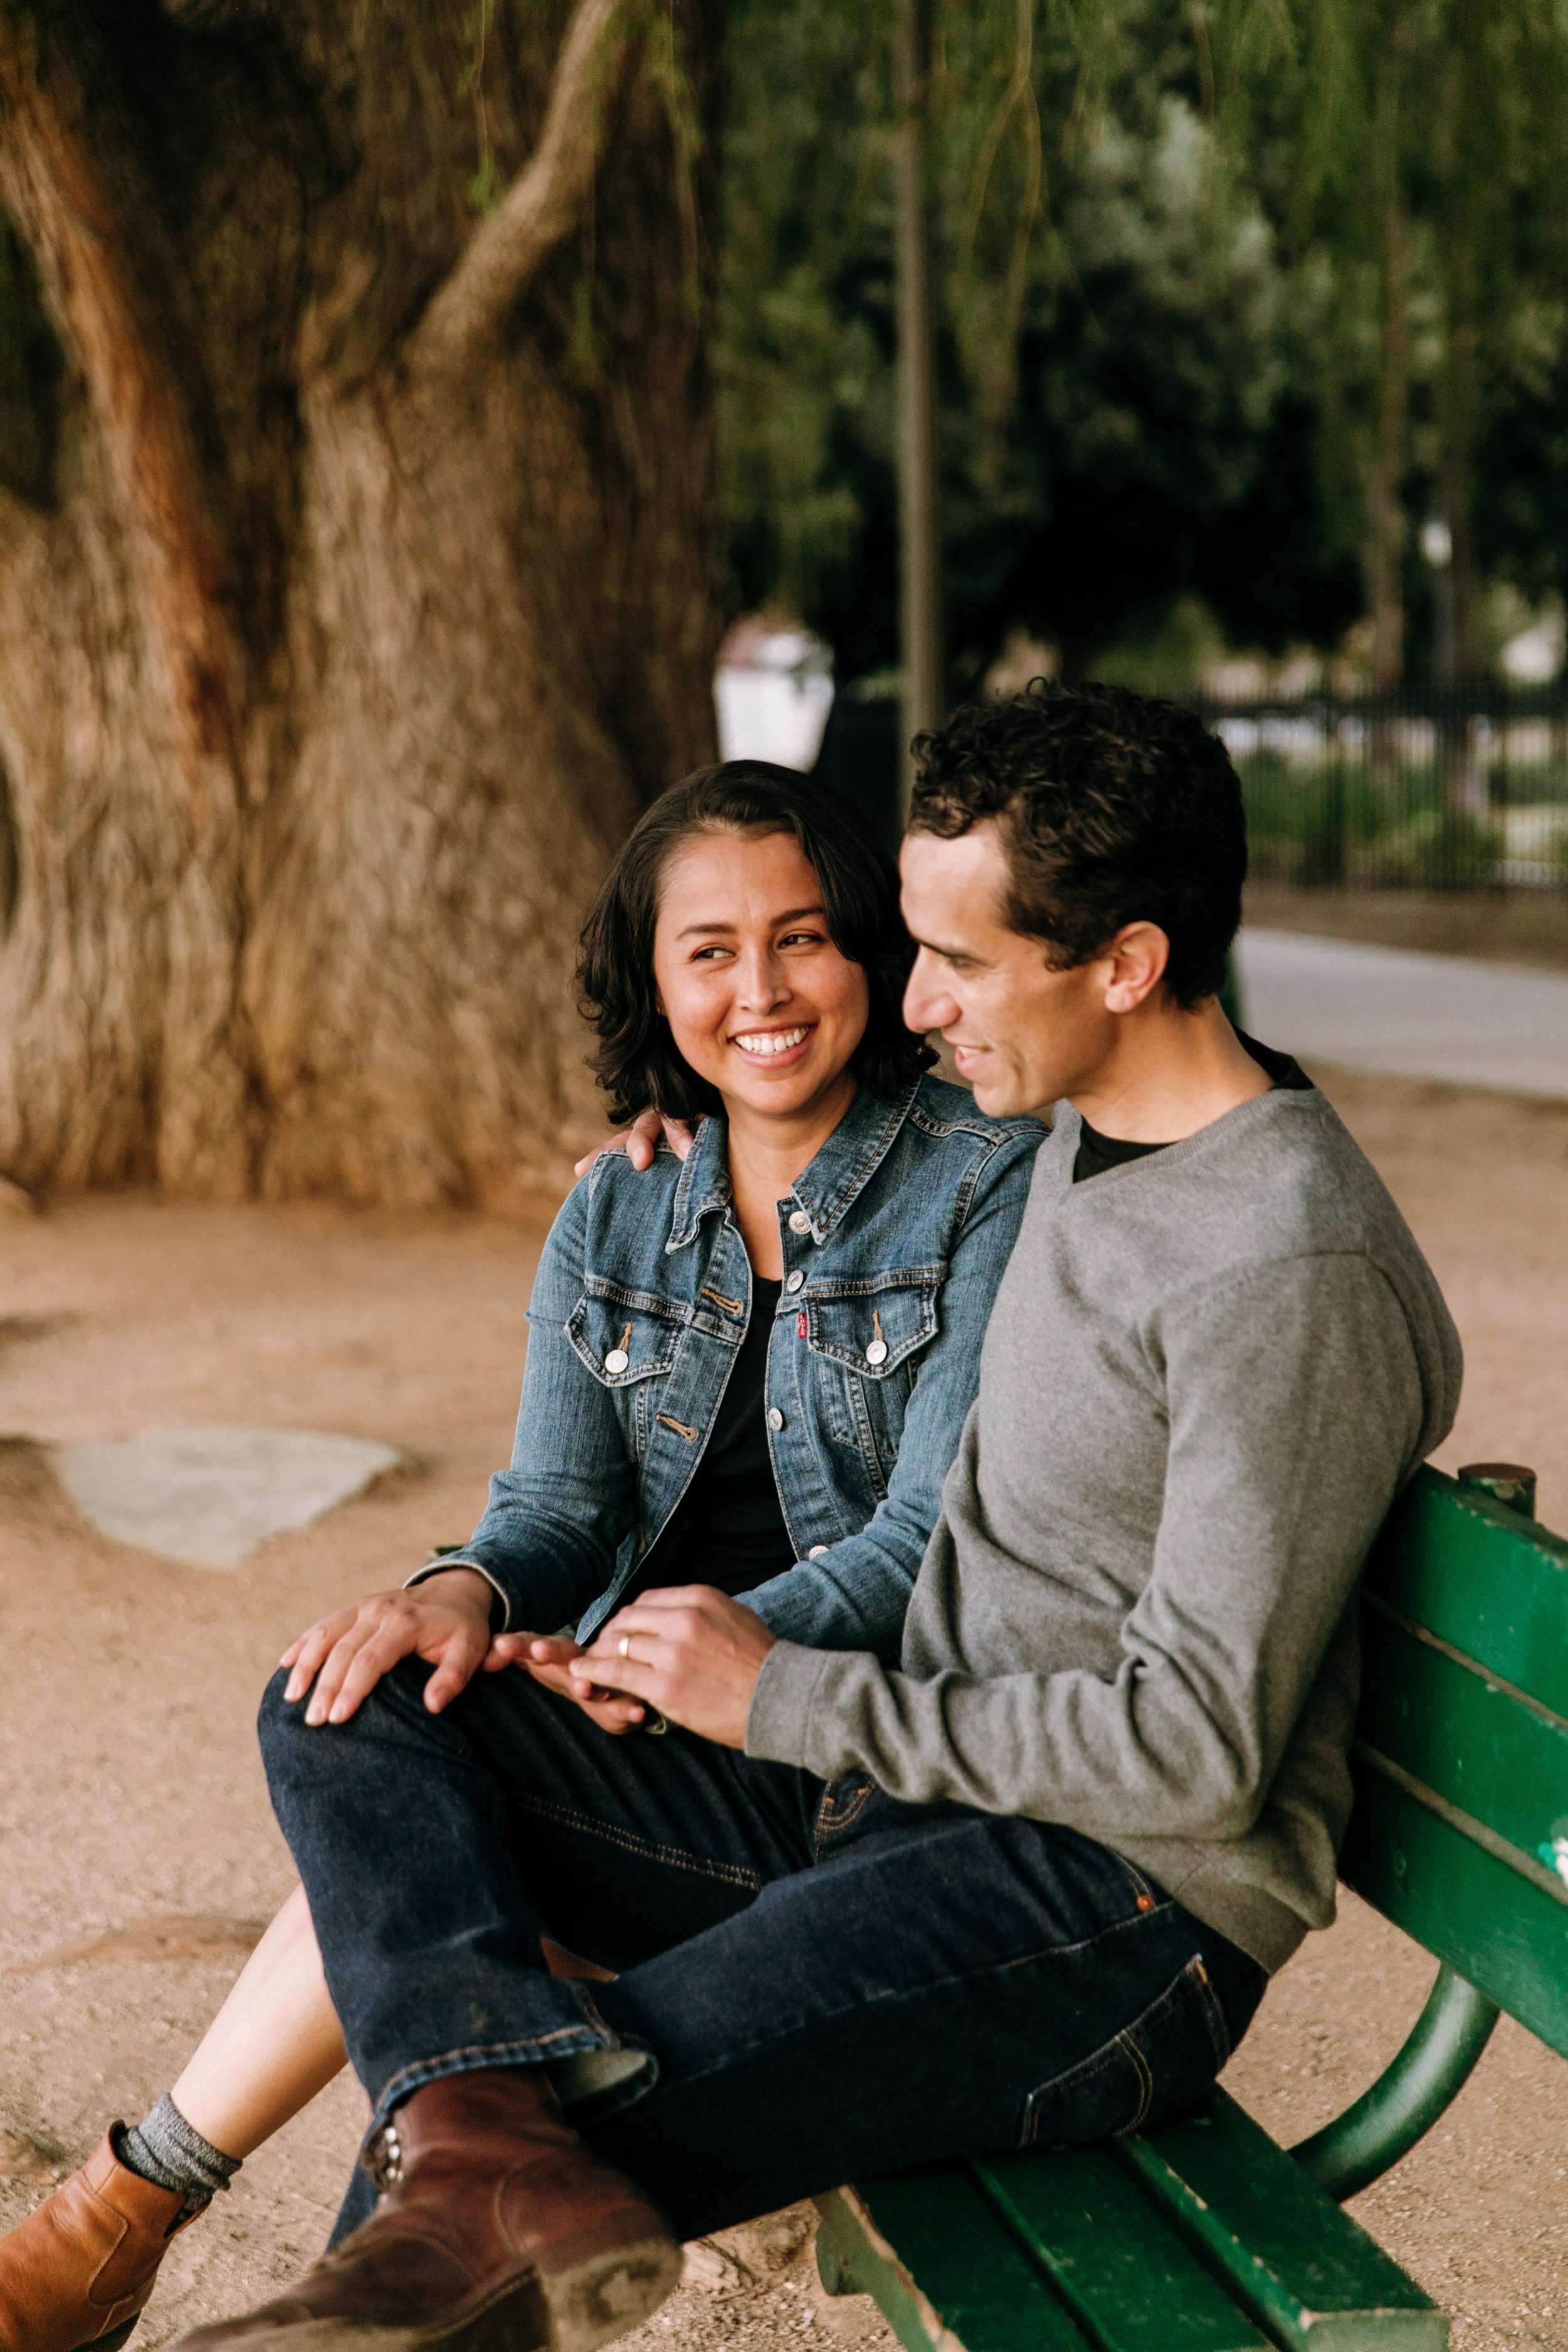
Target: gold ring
x=626, y=1646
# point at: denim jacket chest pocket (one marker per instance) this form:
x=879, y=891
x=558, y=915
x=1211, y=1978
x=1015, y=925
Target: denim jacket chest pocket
x=865, y=1335
x=629, y=1339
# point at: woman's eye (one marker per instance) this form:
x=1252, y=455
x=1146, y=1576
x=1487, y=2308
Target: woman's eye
x=803, y=940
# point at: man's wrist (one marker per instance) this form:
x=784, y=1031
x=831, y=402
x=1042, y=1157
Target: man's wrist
x=459, y=1588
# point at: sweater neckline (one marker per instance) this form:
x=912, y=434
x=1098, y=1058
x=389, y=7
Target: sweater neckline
x=1066, y=1123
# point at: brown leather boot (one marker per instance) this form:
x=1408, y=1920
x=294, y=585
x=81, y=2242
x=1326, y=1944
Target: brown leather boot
x=78, y=2270
x=497, y=2232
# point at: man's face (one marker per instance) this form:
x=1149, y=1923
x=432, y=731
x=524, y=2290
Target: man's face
x=1022, y=1034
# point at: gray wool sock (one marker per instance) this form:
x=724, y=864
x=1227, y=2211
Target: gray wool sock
x=171, y=2153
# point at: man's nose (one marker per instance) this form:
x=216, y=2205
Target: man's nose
x=929, y=1000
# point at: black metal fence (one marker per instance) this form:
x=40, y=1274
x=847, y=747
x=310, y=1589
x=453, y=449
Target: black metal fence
x=1462, y=793
x=1458, y=793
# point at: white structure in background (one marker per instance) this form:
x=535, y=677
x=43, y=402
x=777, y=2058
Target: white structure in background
x=773, y=690
x=1535, y=656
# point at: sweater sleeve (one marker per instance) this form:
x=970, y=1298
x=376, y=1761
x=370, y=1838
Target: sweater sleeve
x=1296, y=1413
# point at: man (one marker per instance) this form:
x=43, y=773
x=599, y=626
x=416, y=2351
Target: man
x=1030, y=1885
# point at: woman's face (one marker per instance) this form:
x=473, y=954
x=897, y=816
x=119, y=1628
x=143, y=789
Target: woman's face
x=759, y=1000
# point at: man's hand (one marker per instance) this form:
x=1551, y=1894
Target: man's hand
x=640, y=1141
x=445, y=1621
x=693, y=1653
x=547, y=1657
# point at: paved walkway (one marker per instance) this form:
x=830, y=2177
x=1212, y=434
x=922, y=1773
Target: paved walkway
x=1417, y=1016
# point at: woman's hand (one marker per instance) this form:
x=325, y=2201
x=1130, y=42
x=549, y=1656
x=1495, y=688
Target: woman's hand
x=693, y=1653
x=547, y=1657
x=445, y=1621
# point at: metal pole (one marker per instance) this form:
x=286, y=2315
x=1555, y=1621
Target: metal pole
x=920, y=523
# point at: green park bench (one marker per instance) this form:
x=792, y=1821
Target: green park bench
x=1205, y=2235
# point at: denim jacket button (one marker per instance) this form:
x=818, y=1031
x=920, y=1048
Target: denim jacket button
x=876, y=1353
x=795, y=1280
x=775, y=1418
x=617, y=1361
x=816, y=1551
x=799, y=1222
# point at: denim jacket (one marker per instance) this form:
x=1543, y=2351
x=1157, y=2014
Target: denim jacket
x=894, y=1241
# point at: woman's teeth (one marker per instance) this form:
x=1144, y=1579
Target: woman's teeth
x=763, y=1042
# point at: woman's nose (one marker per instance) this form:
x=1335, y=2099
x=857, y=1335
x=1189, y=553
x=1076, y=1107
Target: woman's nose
x=762, y=980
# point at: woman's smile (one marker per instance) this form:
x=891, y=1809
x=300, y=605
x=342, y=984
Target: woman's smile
x=782, y=1047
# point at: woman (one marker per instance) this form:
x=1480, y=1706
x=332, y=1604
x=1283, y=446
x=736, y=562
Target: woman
x=747, y=1371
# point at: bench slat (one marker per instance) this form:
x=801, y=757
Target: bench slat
x=947, y=2273
x=1113, y=2256
x=1486, y=1580
x=1310, y=2274
x=1502, y=1932
x=1476, y=1745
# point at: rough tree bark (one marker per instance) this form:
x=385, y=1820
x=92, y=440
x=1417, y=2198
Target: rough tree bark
x=364, y=592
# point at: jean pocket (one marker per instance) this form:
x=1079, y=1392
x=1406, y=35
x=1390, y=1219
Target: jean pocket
x=1150, y=2071
x=842, y=1804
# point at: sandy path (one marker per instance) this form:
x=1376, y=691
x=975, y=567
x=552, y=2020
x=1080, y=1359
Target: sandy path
x=131, y=1789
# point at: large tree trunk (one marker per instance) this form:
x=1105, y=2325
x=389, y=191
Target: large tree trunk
x=368, y=596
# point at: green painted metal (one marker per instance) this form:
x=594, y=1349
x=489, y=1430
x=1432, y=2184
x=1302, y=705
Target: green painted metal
x=1310, y=2275
x=1460, y=1733
x=1506, y=1933
x=1128, y=2278
x=1485, y=1580
x=946, y=2273
x=1431, y=2070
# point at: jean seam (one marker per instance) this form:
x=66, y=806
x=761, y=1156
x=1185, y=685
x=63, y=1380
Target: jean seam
x=672, y=1858
x=1219, y=2029
x=935, y=1984
x=1145, y=2075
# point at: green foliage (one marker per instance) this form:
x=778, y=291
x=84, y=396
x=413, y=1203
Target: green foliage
x=1161, y=234
x=1120, y=421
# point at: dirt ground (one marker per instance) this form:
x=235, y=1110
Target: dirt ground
x=133, y=1817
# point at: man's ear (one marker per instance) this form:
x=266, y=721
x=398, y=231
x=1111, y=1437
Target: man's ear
x=1137, y=956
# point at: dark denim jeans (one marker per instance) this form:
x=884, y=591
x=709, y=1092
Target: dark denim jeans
x=815, y=1982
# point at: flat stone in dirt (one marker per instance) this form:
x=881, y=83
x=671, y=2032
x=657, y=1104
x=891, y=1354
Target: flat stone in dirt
x=209, y=1495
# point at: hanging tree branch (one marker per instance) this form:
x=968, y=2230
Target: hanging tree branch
x=545, y=201
x=73, y=185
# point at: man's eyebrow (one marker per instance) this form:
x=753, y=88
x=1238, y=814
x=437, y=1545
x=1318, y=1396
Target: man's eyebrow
x=706, y=931
x=952, y=955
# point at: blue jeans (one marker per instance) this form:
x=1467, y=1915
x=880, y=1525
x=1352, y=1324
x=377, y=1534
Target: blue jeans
x=815, y=1982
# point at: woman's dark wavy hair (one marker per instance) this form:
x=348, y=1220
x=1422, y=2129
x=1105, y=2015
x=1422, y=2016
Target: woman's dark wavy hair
x=636, y=1063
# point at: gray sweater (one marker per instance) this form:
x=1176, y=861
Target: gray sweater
x=1207, y=1374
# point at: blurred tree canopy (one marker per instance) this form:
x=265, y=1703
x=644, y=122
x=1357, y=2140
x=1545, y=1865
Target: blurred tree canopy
x=1235, y=298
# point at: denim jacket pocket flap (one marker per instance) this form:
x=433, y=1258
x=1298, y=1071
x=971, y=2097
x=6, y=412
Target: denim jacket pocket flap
x=623, y=1338
x=872, y=1327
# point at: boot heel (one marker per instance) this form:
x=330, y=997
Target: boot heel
x=114, y=2339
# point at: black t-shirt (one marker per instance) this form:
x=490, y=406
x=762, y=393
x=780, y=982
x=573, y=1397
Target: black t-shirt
x=733, y=1534
x=1097, y=1152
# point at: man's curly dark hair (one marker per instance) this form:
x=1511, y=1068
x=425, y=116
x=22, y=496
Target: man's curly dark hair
x=1112, y=808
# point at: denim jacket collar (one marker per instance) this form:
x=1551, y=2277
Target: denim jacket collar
x=847, y=1161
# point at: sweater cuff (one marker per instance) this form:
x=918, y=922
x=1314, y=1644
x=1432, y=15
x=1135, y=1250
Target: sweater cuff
x=499, y=1624
x=778, y=1725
